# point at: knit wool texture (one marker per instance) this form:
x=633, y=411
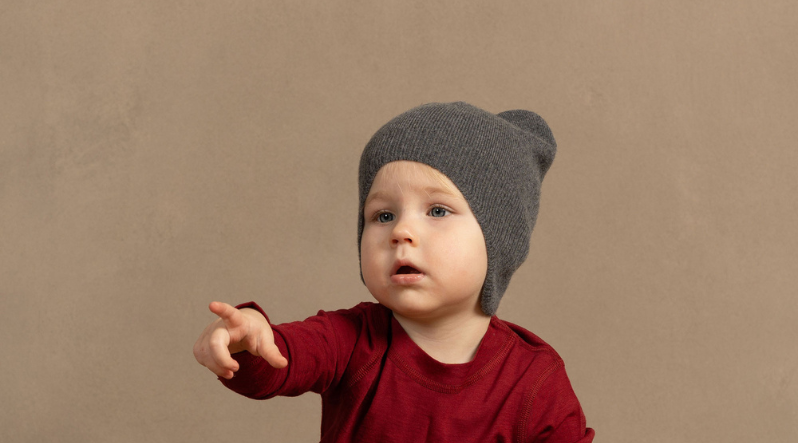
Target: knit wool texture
x=497, y=161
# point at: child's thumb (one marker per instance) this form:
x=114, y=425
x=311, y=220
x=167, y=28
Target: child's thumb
x=271, y=353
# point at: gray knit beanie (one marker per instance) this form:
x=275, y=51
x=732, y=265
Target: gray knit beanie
x=497, y=161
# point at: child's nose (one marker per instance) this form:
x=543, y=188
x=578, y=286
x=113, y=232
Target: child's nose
x=403, y=233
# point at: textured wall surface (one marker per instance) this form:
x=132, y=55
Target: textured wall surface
x=155, y=156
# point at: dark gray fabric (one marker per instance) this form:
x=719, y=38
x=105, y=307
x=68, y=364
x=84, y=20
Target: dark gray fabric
x=497, y=161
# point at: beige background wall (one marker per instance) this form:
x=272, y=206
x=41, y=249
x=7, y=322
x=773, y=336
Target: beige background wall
x=155, y=156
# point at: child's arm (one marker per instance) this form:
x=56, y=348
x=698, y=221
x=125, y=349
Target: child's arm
x=559, y=416
x=235, y=331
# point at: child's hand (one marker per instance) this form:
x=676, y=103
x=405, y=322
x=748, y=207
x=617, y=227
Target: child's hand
x=235, y=331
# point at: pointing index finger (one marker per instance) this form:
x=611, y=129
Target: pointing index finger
x=229, y=314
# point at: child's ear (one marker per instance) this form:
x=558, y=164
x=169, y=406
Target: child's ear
x=534, y=124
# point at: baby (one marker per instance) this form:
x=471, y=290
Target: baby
x=449, y=195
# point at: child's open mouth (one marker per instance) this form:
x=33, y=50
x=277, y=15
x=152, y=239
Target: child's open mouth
x=406, y=274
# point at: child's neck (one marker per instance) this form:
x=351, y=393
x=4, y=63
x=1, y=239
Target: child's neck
x=450, y=340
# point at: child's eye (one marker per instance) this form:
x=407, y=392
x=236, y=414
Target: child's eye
x=438, y=212
x=384, y=217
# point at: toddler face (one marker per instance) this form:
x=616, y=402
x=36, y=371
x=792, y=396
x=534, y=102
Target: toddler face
x=422, y=252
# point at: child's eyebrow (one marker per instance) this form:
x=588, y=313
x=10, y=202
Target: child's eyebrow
x=379, y=195
x=429, y=190
x=432, y=190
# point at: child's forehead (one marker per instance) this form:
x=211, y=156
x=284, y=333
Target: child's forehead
x=411, y=172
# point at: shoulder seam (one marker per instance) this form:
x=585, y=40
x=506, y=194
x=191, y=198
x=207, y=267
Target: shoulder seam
x=380, y=351
x=529, y=397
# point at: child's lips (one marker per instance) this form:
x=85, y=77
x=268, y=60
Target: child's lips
x=407, y=279
x=405, y=272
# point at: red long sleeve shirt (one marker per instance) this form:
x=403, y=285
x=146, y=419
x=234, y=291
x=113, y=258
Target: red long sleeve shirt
x=377, y=385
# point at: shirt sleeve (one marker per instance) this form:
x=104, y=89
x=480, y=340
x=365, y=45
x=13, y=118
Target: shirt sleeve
x=556, y=415
x=317, y=350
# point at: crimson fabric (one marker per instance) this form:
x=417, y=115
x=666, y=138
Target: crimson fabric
x=376, y=384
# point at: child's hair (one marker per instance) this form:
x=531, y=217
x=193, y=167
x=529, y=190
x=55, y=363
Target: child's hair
x=497, y=161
